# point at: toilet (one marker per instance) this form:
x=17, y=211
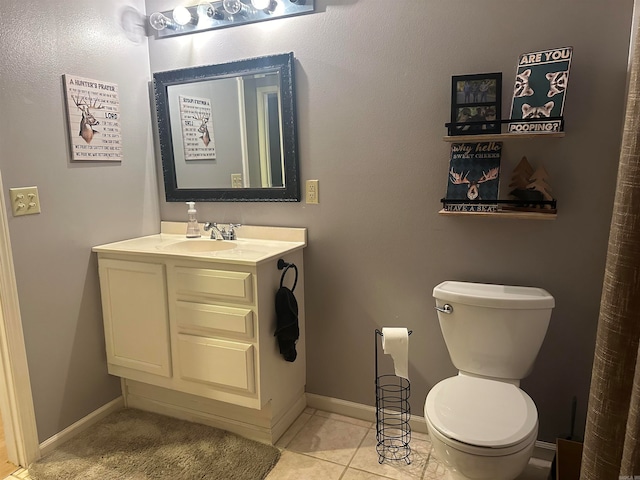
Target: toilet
x=481, y=424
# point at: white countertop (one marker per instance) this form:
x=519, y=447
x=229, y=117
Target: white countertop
x=263, y=245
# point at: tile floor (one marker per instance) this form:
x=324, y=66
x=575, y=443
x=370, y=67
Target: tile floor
x=327, y=446
x=20, y=474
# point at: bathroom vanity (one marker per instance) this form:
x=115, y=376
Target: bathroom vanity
x=189, y=327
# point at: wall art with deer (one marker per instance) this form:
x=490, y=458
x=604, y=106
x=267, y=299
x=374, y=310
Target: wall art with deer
x=93, y=117
x=474, y=170
x=197, y=128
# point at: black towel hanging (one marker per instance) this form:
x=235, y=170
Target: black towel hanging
x=286, y=266
x=287, y=329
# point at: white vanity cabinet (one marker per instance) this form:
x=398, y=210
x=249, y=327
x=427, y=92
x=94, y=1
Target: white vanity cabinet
x=192, y=335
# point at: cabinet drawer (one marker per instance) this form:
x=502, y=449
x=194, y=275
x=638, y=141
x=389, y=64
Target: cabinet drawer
x=216, y=283
x=214, y=317
x=218, y=362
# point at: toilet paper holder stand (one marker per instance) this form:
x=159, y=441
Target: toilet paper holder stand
x=393, y=412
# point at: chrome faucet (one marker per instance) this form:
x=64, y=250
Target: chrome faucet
x=221, y=234
x=231, y=233
x=216, y=233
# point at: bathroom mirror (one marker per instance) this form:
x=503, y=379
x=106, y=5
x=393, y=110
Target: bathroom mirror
x=228, y=132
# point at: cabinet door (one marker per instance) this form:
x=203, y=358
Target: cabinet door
x=136, y=322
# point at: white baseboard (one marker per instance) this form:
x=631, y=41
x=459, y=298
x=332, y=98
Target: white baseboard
x=81, y=425
x=283, y=423
x=543, y=450
x=356, y=410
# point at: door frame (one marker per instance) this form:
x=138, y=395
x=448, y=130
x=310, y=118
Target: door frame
x=16, y=400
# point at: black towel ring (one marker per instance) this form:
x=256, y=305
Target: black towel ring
x=286, y=266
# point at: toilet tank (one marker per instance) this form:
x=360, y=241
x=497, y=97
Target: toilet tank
x=493, y=330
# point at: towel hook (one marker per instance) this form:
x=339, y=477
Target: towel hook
x=286, y=266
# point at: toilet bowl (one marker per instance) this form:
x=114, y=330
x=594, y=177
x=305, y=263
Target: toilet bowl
x=481, y=429
x=482, y=425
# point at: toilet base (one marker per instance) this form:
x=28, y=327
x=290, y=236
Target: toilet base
x=465, y=466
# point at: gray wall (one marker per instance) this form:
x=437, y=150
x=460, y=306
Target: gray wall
x=373, y=90
x=83, y=204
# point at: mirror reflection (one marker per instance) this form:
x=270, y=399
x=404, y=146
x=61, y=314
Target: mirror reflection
x=227, y=132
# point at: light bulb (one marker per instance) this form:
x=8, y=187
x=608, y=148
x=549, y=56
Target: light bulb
x=232, y=6
x=159, y=21
x=206, y=10
x=181, y=15
x=261, y=4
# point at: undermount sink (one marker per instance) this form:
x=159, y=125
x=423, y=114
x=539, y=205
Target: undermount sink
x=200, y=245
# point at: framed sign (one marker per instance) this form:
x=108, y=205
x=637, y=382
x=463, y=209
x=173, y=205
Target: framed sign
x=476, y=100
x=197, y=128
x=539, y=91
x=93, y=117
x=474, y=171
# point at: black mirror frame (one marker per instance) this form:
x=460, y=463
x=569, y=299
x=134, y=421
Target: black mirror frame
x=283, y=64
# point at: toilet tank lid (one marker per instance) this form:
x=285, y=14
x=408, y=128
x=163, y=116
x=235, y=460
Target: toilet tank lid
x=496, y=296
x=481, y=412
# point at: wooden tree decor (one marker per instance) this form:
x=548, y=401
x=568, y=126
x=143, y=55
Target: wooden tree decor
x=539, y=184
x=521, y=175
x=530, y=185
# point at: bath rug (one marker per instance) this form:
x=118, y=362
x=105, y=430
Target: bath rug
x=135, y=445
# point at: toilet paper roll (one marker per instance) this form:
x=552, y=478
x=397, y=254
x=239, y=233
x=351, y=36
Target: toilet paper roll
x=395, y=342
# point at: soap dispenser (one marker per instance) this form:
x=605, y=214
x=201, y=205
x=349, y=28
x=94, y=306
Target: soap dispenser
x=193, y=229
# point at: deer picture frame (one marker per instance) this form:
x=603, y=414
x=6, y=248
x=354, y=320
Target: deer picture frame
x=93, y=119
x=197, y=129
x=474, y=171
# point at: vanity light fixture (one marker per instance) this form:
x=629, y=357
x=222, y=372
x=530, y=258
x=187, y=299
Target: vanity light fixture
x=224, y=13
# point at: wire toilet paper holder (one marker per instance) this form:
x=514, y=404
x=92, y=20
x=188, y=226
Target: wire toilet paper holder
x=393, y=412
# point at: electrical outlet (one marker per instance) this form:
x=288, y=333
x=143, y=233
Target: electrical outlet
x=24, y=201
x=236, y=180
x=312, y=194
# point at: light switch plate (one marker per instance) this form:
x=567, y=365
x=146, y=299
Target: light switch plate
x=24, y=201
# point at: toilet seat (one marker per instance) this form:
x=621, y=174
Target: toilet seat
x=480, y=412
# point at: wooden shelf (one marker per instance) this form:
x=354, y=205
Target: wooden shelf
x=499, y=137
x=505, y=214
